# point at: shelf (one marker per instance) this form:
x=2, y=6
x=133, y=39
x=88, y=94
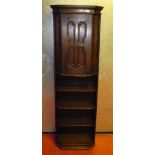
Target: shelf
x=71, y=81
x=77, y=75
x=76, y=89
x=75, y=99
x=74, y=139
x=75, y=105
x=76, y=129
x=73, y=121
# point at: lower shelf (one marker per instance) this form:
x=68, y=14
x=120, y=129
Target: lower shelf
x=75, y=141
x=75, y=121
x=75, y=89
x=75, y=105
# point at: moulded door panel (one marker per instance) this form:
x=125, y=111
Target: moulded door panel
x=76, y=34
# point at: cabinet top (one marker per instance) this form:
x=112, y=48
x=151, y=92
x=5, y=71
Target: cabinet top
x=74, y=9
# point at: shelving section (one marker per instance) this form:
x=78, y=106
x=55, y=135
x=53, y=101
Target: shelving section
x=76, y=111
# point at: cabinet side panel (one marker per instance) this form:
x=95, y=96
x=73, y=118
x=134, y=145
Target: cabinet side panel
x=95, y=53
x=95, y=43
x=57, y=42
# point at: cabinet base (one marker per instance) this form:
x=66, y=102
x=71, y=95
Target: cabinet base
x=74, y=147
x=74, y=141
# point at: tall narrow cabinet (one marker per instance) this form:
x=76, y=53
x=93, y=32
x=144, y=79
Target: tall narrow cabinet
x=76, y=57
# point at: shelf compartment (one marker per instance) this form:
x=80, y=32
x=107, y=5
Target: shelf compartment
x=74, y=140
x=71, y=81
x=76, y=97
x=76, y=75
x=75, y=122
x=75, y=105
x=75, y=89
x=75, y=118
x=75, y=129
x=81, y=137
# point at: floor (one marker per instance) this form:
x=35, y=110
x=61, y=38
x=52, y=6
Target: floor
x=103, y=146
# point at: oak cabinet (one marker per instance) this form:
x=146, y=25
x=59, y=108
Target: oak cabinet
x=76, y=58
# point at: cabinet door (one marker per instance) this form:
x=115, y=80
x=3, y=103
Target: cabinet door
x=76, y=39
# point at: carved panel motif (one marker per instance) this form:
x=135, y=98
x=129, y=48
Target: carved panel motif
x=71, y=34
x=76, y=48
x=82, y=31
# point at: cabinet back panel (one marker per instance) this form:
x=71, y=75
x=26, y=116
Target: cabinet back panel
x=75, y=129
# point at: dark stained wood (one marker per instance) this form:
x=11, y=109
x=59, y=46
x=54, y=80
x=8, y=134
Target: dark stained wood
x=76, y=89
x=77, y=9
x=75, y=105
x=76, y=50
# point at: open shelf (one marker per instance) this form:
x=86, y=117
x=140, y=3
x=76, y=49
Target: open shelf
x=76, y=75
x=75, y=121
x=75, y=117
x=76, y=100
x=82, y=141
x=69, y=81
x=76, y=89
x=75, y=105
x=75, y=129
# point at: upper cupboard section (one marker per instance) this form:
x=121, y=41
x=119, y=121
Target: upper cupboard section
x=76, y=40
